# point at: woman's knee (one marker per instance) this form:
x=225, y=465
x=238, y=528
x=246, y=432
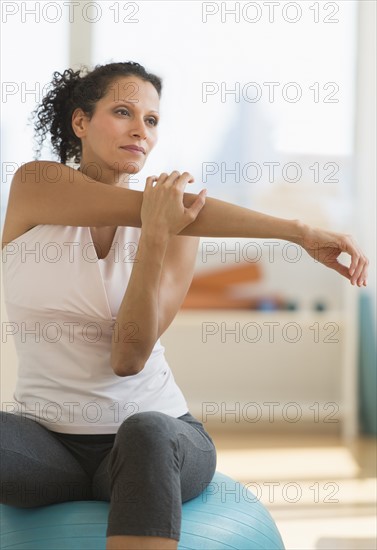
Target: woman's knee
x=148, y=427
x=144, y=441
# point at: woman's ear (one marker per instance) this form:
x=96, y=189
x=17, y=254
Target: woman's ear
x=79, y=122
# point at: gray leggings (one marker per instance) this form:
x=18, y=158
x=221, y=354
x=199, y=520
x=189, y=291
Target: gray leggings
x=146, y=470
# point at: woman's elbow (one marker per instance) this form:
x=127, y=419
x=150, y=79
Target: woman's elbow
x=127, y=368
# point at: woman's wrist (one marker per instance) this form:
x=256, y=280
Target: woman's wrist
x=154, y=236
x=297, y=231
x=281, y=228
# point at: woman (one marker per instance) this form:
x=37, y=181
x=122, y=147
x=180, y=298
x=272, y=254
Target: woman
x=96, y=411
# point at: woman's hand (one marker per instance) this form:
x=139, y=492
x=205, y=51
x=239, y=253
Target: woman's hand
x=163, y=212
x=326, y=246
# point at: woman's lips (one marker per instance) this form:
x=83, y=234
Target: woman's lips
x=133, y=150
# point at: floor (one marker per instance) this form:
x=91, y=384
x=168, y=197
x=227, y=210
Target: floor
x=320, y=491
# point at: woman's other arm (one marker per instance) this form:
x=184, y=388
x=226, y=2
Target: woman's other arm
x=137, y=323
x=152, y=297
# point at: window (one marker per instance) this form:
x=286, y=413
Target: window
x=35, y=43
x=247, y=89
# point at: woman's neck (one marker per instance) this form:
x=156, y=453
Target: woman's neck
x=104, y=175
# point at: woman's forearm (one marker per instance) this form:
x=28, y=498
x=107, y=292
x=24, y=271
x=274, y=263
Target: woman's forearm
x=223, y=219
x=136, y=325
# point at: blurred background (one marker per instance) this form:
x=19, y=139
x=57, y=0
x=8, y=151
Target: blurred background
x=271, y=106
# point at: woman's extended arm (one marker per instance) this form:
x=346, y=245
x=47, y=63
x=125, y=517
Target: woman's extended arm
x=50, y=193
x=44, y=192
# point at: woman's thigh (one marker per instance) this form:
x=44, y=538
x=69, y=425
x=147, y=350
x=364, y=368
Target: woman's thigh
x=157, y=462
x=194, y=449
x=35, y=468
x=198, y=454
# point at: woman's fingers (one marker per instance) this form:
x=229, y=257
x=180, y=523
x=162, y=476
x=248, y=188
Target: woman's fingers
x=358, y=269
x=197, y=205
x=185, y=178
x=350, y=247
x=342, y=270
x=158, y=179
x=361, y=273
x=164, y=201
x=170, y=179
x=175, y=178
x=150, y=180
x=357, y=272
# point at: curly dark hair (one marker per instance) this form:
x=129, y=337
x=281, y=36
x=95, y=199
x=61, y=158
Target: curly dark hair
x=78, y=89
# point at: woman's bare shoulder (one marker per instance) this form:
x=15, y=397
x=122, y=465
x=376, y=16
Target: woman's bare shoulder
x=51, y=193
x=15, y=224
x=39, y=171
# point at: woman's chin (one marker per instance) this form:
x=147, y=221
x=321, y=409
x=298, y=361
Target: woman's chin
x=130, y=167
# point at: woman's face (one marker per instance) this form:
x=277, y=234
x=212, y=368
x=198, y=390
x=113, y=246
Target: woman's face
x=126, y=116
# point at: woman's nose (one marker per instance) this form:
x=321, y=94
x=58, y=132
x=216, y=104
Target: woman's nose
x=139, y=129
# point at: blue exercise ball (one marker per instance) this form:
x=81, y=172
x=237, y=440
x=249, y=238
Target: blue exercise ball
x=225, y=515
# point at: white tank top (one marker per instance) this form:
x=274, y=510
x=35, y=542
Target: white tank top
x=62, y=304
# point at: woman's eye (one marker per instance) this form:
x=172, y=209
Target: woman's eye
x=151, y=120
